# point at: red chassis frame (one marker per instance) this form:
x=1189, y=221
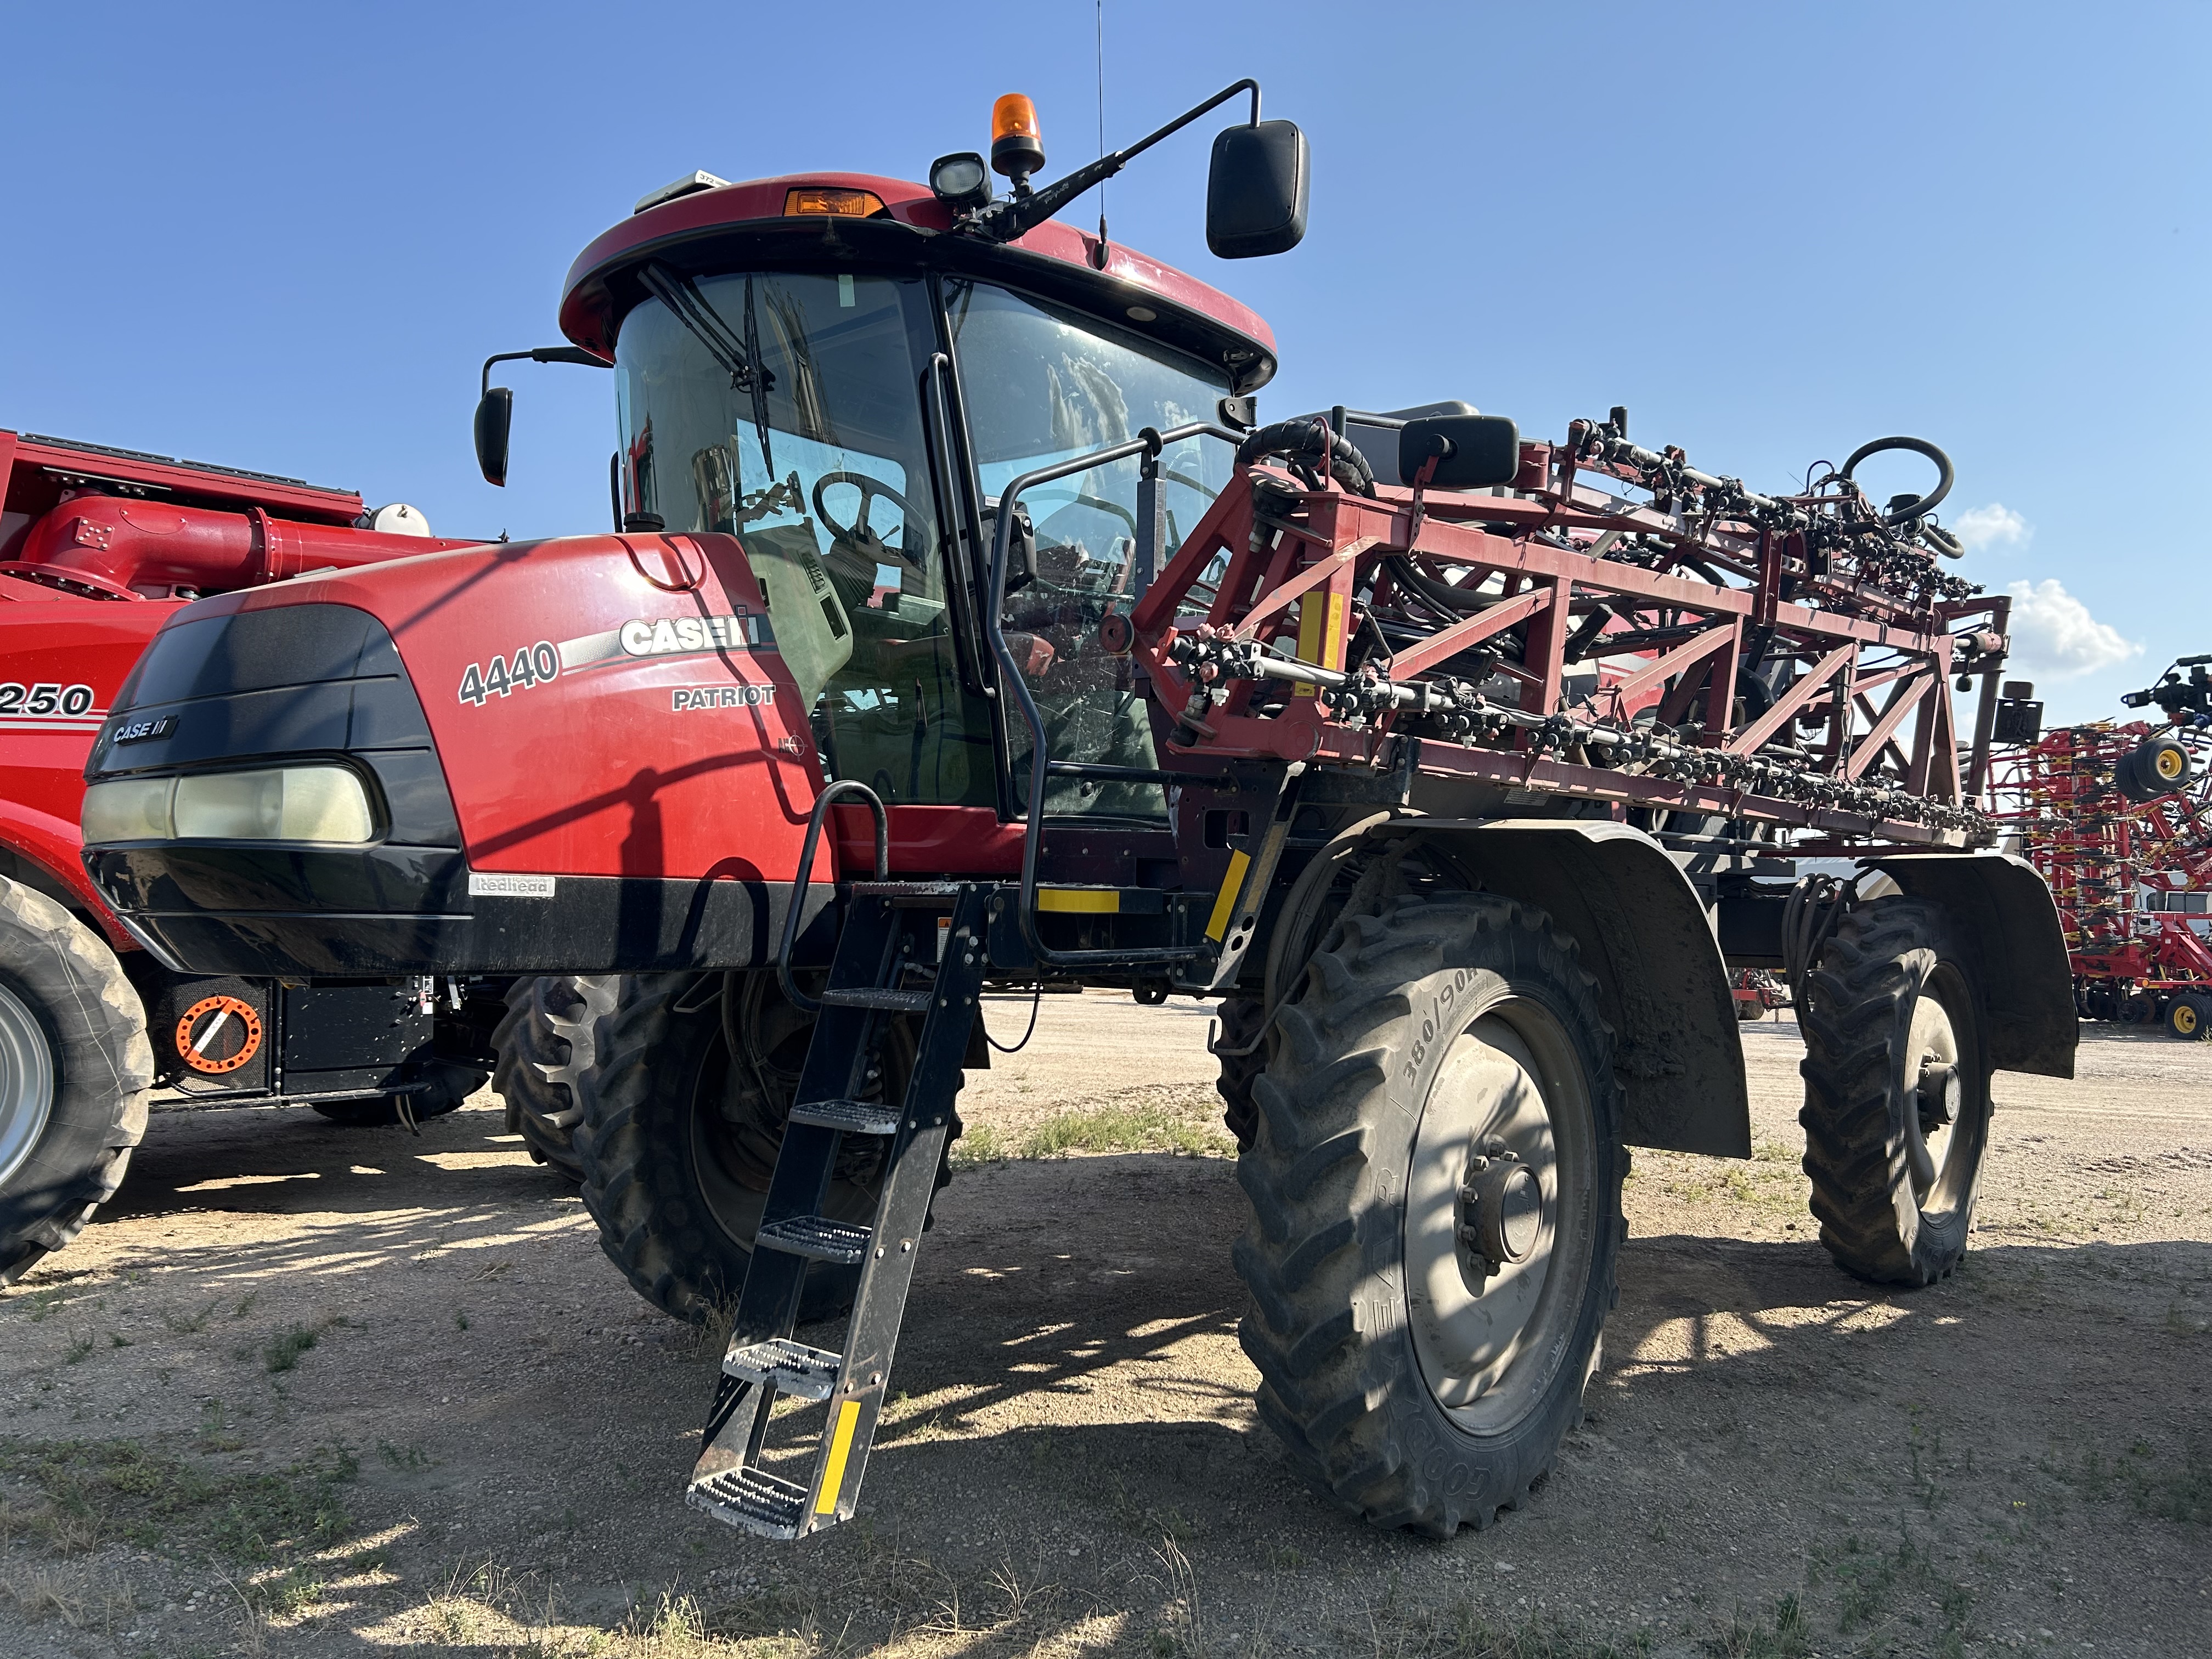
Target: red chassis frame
x=1329, y=542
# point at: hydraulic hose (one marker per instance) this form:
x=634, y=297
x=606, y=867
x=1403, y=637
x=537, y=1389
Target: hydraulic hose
x=1307, y=441
x=1921, y=506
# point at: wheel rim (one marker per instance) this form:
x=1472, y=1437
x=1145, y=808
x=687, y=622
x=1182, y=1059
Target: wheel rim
x=26, y=1082
x=1941, y=1102
x=1490, y=1343
x=2184, y=1018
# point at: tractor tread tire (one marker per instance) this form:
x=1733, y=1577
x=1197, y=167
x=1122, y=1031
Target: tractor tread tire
x=1243, y=1020
x=1861, y=998
x=104, y=1073
x=1327, y=1328
x=632, y=1141
x=545, y=1042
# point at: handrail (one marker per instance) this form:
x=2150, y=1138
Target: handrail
x=797, y=998
x=1148, y=442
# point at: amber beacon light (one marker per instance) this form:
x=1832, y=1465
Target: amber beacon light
x=1017, y=146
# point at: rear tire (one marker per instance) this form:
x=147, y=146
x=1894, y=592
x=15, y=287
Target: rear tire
x=76, y=1068
x=1897, y=1093
x=2189, y=1017
x=676, y=1145
x=545, y=1042
x=1415, y=1379
x=1243, y=1019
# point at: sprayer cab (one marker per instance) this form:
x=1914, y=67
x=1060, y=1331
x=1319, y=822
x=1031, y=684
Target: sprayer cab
x=601, y=753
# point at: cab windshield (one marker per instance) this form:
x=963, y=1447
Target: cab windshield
x=1040, y=385
x=785, y=410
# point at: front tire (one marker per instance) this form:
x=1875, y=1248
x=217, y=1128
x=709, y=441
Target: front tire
x=76, y=1068
x=1435, y=1179
x=544, y=1043
x=678, y=1143
x=1897, y=1093
x=2189, y=1017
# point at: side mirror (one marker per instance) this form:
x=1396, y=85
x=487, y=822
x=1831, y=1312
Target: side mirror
x=1255, y=191
x=1473, y=451
x=495, y=415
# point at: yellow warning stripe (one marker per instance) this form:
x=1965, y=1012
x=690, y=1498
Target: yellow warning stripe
x=840, y=1448
x=1096, y=901
x=1225, y=905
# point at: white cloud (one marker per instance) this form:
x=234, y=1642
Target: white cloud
x=2054, y=637
x=1994, y=525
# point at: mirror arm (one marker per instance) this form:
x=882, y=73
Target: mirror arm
x=576, y=355
x=1002, y=222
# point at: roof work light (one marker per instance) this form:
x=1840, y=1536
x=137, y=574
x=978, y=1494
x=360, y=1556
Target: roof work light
x=961, y=179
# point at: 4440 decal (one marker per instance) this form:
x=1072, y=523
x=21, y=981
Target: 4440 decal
x=531, y=665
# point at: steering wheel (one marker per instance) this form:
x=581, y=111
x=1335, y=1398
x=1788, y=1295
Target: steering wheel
x=857, y=532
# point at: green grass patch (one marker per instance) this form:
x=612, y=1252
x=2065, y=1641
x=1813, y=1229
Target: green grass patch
x=283, y=1351
x=1787, y=1637
x=979, y=1144
x=2169, y=1487
x=1465, y=1632
x=1126, y=1129
x=99, y=1490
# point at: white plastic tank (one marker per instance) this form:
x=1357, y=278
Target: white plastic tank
x=399, y=519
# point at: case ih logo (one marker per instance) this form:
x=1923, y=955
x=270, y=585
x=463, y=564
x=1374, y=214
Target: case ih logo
x=670, y=636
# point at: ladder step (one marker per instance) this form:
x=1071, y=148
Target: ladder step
x=787, y=1366
x=854, y=1117
x=944, y=892
x=753, y=1499
x=818, y=1236
x=896, y=1002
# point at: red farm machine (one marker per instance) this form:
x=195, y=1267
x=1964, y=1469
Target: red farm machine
x=99, y=548
x=963, y=627
x=2118, y=820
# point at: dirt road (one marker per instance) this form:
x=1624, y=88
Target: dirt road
x=308, y=1390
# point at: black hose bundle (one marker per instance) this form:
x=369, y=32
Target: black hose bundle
x=1304, y=442
x=1810, y=916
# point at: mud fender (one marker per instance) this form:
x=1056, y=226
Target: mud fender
x=1644, y=934
x=2012, y=927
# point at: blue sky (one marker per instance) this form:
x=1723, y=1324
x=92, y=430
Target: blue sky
x=284, y=238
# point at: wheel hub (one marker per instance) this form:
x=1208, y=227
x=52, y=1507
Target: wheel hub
x=1497, y=1214
x=1942, y=1095
x=1501, y=1209
x=27, y=1082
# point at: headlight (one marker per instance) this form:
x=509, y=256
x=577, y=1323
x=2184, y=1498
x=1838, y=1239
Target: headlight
x=130, y=809
x=325, y=803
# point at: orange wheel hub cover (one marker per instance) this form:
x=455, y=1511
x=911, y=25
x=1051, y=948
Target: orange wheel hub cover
x=206, y=1025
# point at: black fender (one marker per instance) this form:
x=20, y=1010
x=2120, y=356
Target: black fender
x=2011, y=924
x=1643, y=932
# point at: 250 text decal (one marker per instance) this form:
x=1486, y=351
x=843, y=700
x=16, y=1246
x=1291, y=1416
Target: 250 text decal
x=531, y=664
x=51, y=698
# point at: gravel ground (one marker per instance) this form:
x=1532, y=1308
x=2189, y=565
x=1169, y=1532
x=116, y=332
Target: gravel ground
x=316, y=1391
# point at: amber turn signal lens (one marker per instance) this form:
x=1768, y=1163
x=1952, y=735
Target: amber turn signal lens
x=842, y=204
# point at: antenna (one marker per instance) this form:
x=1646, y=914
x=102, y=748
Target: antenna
x=1098, y=255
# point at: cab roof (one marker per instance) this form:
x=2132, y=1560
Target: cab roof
x=696, y=230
